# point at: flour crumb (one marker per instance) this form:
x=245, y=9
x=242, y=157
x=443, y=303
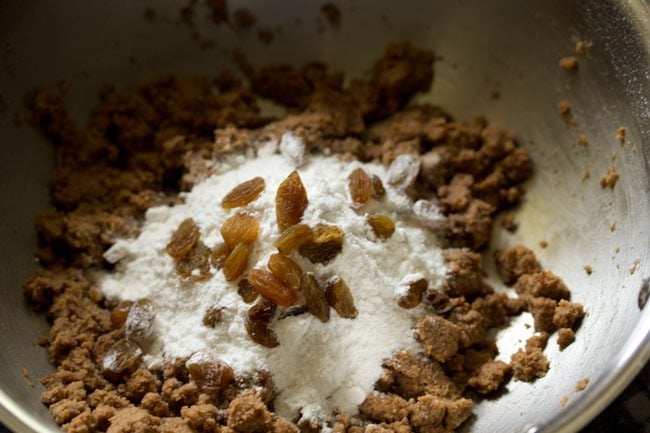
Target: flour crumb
x=564, y=400
x=569, y=63
x=610, y=179
x=581, y=385
x=634, y=267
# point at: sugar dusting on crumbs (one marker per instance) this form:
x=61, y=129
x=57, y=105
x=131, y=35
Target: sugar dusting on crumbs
x=319, y=368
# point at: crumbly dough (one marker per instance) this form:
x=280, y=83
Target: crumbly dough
x=141, y=148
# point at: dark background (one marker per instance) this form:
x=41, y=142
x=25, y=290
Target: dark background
x=629, y=413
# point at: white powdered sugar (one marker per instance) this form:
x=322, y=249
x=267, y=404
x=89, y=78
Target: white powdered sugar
x=319, y=368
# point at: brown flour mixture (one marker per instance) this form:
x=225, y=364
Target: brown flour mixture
x=141, y=147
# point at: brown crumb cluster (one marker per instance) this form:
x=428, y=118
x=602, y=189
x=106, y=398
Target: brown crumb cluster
x=141, y=148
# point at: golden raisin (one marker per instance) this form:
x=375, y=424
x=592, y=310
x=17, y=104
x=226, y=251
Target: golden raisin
x=243, y=193
x=244, y=289
x=240, y=228
x=327, y=243
x=293, y=237
x=315, y=297
x=196, y=265
x=286, y=270
x=219, y=254
x=236, y=262
x=120, y=313
x=360, y=186
x=122, y=358
x=290, y=201
x=139, y=321
x=269, y=286
x=378, y=189
x=208, y=372
x=413, y=295
x=339, y=297
x=183, y=240
x=383, y=226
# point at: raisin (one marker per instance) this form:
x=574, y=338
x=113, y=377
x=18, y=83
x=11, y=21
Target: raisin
x=183, y=240
x=122, y=358
x=236, y=262
x=213, y=316
x=269, y=286
x=339, y=297
x=383, y=226
x=262, y=311
x=139, y=322
x=208, y=372
x=240, y=228
x=243, y=193
x=360, y=186
x=257, y=323
x=378, y=190
x=315, y=297
x=293, y=237
x=324, y=233
x=286, y=270
x=219, y=254
x=247, y=293
x=196, y=265
x=413, y=294
x=260, y=333
x=120, y=313
x=326, y=244
x=290, y=201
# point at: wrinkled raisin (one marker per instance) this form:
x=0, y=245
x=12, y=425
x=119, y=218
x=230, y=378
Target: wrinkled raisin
x=260, y=333
x=257, y=323
x=315, y=297
x=293, y=237
x=139, y=322
x=122, y=358
x=262, y=311
x=236, y=262
x=286, y=270
x=120, y=313
x=339, y=297
x=412, y=296
x=360, y=186
x=378, y=190
x=183, y=240
x=240, y=228
x=243, y=193
x=247, y=293
x=327, y=243
x=269, y=286
x=208, y=372
x=196, y=265
x=383, y=226
x=290, y=201
x=213, y=316
x=219, y=254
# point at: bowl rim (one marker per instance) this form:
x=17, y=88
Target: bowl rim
x=616, y=375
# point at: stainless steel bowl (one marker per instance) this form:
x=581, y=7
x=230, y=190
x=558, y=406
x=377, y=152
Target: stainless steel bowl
x=510, y=46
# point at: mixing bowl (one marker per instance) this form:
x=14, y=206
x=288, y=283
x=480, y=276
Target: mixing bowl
x=504, y=46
